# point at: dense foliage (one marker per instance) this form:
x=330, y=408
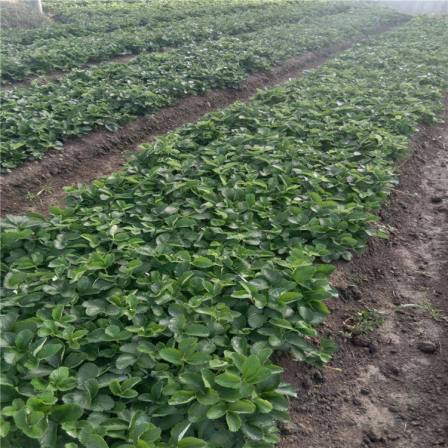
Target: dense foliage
x=145, y=313
x=21, y=60
x=96, y=18
x=41, y=117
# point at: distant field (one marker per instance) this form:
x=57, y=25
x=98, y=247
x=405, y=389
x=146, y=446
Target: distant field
x=415, y=7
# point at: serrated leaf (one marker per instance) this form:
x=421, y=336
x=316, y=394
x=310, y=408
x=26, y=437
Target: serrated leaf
x=64, y=413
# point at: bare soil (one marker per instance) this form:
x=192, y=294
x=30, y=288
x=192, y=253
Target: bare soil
x=389, y=387
x=38, y=185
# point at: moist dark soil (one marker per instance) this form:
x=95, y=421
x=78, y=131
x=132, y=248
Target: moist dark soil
x=38, y=185
x=387, y=387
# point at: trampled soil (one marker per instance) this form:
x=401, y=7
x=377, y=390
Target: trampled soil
x=388, y=388
x=38, y=185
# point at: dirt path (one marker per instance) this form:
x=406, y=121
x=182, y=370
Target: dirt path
x=38, y=185
x=389, y=387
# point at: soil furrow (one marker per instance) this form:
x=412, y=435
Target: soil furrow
x=389, y=386
x=39, y=184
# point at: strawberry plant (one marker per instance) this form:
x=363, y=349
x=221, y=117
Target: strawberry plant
x=21, y=60
x=112, y=95
x=145, y=313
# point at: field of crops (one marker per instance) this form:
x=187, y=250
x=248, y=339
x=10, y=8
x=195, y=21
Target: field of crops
x=42, y=116
x=146, y=312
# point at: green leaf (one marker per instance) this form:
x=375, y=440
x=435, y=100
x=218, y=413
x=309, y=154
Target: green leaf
x=233, y=421
x=87, y=371
x=229, y=379
x=256, y=318
x=289, y=297
x=208, y=398
x=303, y=274
x=192, y=442
x=172, y=355
x=5, y=426
x=264, y=406
x=196, y=330
x=181, y=397
x=216, y=411
x=91, y=440
x=23, y=339
x=60, y=374
x=252, y=432
x=48, y=350
x=202, y=262
x=64, y=413
x=242, y=407
x=250, y=367
x=124, y=361
x=14, y=279
x=197, y=412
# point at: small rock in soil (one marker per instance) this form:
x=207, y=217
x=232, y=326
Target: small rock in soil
x=361, y=341
x=307, y=384
x=390, y=369
x=364, y=391
x=374, y=435
x=394, y=408
x=318, y=377
x=427, y=347
x=354, y=292
x=436, y=199
x=289, y=428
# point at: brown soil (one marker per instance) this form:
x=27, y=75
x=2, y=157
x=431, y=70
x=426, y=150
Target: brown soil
x=388, y=388
x=38, y=185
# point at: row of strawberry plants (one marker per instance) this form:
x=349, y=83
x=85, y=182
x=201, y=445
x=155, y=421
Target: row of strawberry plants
x=117, y=11
x=40, y=117
x=145, y=314
x=93, y=19
x=21, y=61
x=72, y=12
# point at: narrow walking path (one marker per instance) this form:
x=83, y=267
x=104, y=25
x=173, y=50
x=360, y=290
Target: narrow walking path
x=389, y=386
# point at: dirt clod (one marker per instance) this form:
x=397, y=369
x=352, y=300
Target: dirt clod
x=361, y=341
x=427, y=347
x=354, y=293
x=436, y=199
x=374, y=435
